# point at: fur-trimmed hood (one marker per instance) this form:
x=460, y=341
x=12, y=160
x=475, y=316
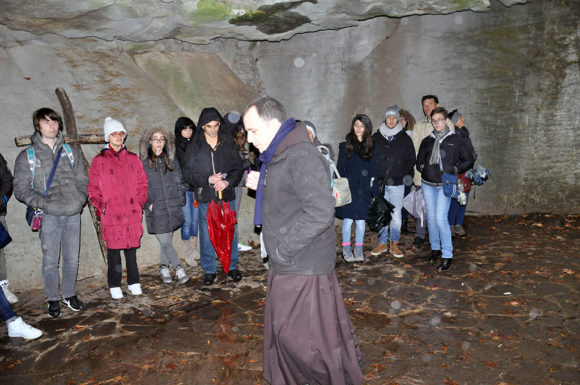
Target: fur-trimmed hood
x=144, y=143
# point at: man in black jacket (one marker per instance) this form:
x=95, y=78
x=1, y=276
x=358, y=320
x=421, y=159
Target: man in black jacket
x=394, y=157
x=214, y=168
x=5, y=194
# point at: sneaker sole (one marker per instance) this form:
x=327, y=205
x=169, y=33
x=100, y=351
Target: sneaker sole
x=378, y=253
x=398, y=255
x=67, y=303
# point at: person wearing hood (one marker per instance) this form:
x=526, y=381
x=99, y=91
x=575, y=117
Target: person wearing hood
x=308, y=336
x=118, y=190
x=61, y=204
x=184, y=134
x=214, y=167
x=394, y=158
x=442, y=151
x=166, y=197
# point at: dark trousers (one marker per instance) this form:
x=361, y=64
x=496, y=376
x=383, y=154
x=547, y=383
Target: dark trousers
x=115, y=270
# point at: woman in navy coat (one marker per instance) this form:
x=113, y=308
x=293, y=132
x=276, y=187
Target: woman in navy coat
x=354, y=163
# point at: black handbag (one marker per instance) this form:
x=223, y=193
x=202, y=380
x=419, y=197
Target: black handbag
x=4, y=236
x=380, y=213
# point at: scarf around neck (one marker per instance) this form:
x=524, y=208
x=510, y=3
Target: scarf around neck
x=266, y=157
x=435, y=156
x=390, y=132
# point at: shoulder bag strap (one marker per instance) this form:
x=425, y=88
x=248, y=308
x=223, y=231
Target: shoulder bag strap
x=52, y=172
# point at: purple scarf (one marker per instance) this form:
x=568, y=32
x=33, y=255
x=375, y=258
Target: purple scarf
x=266, y=157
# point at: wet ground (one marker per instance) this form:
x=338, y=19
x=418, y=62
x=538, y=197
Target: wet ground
x=507, y=313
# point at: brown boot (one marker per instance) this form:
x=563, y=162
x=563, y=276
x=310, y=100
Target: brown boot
x=381, y=248
x=397, y=253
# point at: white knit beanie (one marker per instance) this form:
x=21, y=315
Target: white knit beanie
x=112, y=125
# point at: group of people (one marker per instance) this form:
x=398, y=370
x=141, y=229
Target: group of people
x=398, y=157
x=175, y=178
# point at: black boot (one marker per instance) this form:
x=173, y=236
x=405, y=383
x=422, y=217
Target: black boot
x=446, y=264
x=418, y=242
x=435, y=254
x=404, y=228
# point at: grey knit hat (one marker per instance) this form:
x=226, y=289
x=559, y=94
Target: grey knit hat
x=394, y=111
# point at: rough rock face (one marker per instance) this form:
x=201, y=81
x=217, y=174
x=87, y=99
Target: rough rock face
x=200, y=21
x=512, y=71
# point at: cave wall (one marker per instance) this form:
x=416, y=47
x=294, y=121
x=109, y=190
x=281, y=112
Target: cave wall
x=513, y=73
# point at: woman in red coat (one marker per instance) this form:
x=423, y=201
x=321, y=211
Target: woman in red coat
x=118, y=190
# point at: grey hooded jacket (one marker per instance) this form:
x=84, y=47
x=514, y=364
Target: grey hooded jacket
x=68, y=192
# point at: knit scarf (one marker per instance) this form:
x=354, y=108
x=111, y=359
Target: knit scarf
x=266, y=157
x=390, y=132
x=439, y=135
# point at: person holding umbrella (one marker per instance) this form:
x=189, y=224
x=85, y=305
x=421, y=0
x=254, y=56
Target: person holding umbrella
x=214, y=168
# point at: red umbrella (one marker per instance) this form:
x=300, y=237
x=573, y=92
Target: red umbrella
x=220, y=224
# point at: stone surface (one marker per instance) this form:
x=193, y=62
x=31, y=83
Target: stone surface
x=200, y=21
x=414, y=325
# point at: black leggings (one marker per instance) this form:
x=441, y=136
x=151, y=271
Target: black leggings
x=115, y=270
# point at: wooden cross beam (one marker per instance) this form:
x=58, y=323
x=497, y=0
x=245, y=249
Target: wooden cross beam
x=73, y=138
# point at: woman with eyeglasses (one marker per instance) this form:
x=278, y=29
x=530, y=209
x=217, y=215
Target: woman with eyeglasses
x=118, y=190
x=163, y=209
x=441, y=152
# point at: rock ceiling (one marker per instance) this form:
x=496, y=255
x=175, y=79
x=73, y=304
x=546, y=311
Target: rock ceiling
x=200, y=21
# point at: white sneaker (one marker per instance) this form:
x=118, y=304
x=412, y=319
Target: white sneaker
x=116, y=292
x=135, y=289
x=242, y=247
x=182, y=276
x=165, y=274
x=19, y=328
x=10, y=296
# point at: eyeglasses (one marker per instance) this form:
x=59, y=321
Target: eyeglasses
x=159, y=140
x=437, y=121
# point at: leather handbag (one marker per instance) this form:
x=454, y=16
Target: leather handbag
x=380, y=212
x=341, y=190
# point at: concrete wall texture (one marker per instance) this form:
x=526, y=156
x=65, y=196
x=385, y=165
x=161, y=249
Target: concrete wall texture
x=513, y=73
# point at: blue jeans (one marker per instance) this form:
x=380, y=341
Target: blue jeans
x=359, y=232
x=191, y=214
x=206, y=250
x=6, y=312
x=437, y=209
x=395, y=195
x=457, y=211
x=60, y=234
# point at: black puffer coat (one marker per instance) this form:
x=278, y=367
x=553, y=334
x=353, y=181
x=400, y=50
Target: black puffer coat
x=166, y=188
x=199, y=167
x=5, y=185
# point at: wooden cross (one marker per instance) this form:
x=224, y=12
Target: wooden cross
x=73, y=138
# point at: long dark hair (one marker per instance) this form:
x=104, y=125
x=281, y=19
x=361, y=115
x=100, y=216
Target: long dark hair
x=164, y=154
x=365, y=148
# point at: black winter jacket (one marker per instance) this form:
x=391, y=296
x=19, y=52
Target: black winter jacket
x=5, y=185
x=456, y=157
x=198, y=169
x=394, y=160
